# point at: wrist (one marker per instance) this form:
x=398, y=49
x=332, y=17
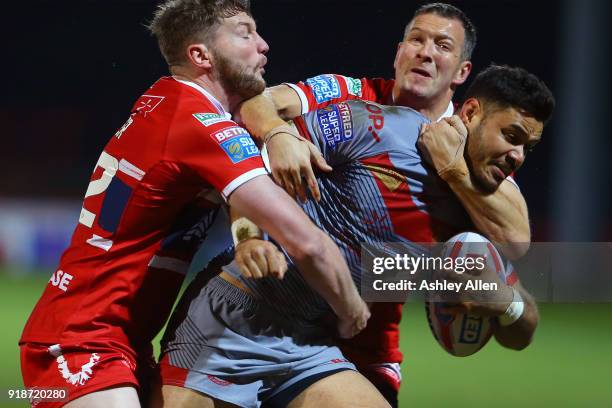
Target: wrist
x=515, y=310
x=455, y=173
x=243, y=229
x=282, y=129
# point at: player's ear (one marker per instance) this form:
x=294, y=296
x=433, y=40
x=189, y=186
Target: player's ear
x=397, y=53
x=199, y=55
x=471, y=110
x=462, y=73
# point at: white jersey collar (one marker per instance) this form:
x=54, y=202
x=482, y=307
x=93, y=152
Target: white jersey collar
x=448, y=112
x=208, y=95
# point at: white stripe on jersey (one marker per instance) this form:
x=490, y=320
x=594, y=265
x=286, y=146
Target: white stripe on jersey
x=302, y=95
x=100, y=242
x=131, y=170
x=240, y=180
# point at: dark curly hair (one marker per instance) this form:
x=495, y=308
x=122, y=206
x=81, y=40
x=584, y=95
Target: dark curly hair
x=506, y=86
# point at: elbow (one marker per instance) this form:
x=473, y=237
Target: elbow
x=515, y=250
x=515, y=244
x=519, y=335
x=517, y=343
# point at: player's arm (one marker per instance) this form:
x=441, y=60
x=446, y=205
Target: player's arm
x=502, y=215
x=291, y=156
x=518, y=334
x=314, y=253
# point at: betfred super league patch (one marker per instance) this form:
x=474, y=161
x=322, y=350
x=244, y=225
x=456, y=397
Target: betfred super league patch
x=336, y=124
x=324, y=87
x=236, y=143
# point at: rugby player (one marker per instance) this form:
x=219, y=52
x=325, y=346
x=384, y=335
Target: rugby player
x=166, y=168
x=431, y=62
x=267, y=344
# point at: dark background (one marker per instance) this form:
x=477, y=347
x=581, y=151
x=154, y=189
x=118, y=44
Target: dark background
x=72, y=70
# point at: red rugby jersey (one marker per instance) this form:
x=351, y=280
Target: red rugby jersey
x=156, y=178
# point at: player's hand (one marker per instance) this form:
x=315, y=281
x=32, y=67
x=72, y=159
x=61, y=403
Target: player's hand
x=351, y=326
x=292, y=158
x=443, y=144
x=257, y=259
x=475, y=302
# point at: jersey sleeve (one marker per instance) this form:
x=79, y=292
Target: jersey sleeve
x=342, y=132
x=220, y=151
x=323, y=90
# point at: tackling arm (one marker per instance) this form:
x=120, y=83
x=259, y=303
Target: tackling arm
x=312, y=250
x=291, y=156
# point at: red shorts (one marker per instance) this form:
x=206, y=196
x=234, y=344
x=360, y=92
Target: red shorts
x=81, y=370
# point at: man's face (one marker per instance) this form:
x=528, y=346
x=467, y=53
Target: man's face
x=498, y=140
x=428, y=62
x=238, y=56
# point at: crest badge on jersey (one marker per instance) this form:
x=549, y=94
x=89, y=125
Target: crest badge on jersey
x=336, y=124
x=147, y=104
x=208, y=119
x=236, y=143
x=354, y=86
x=324, y=87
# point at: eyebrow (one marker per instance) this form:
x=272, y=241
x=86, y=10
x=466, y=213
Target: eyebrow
x=433, y=34
x=519, y=129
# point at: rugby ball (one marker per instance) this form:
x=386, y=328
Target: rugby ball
x=463, y=335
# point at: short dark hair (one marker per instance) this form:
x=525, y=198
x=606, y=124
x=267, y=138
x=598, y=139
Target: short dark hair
x=515, y=87
x=179, y=22
x=452, y=13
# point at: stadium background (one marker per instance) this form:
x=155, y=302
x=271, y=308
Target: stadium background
x=72, y=70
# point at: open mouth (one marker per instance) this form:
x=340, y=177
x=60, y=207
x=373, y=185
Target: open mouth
x=499, y=173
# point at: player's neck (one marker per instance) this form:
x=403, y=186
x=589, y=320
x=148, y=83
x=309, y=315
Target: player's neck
x=431, y=109
x=227, y=100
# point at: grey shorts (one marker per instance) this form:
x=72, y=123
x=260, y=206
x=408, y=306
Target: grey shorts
x=232, y=348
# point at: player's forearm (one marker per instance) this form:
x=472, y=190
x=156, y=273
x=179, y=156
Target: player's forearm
x=501, y=216
x=268, y=110
x=519, y=334
x=317, y=257
x=326, y=272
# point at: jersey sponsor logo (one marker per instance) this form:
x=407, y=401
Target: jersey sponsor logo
x=236, y=143
x=354, y=86
x=147, y=104
x=61, y=280
x=336, y=124
x=324, y=87
x=377, y=120
x=218, y=381
x=208, y=119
